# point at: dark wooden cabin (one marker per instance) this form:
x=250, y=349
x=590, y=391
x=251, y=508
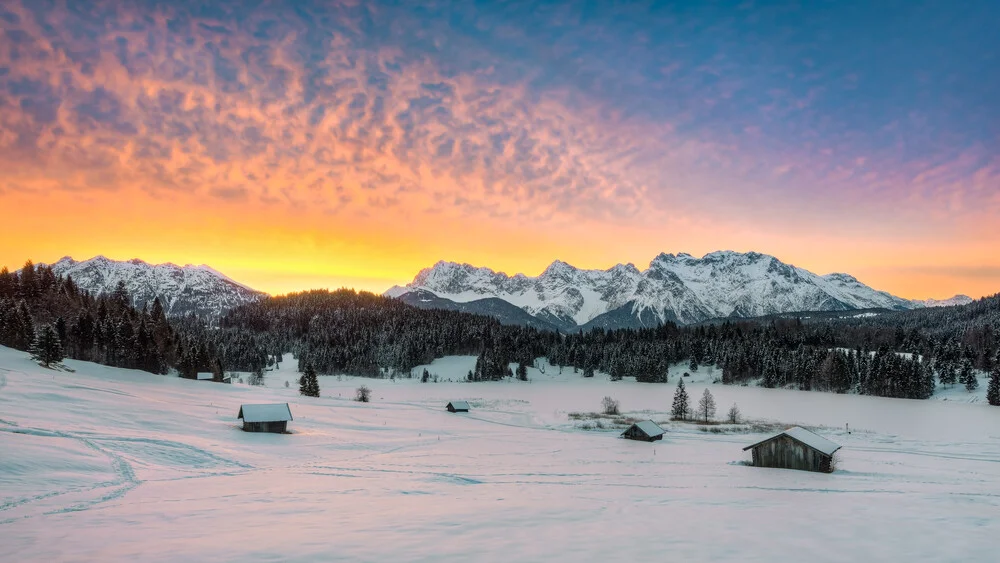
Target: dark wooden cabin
x=645, y=430
x=795, y=448
x=458, y=406
x=265, y=418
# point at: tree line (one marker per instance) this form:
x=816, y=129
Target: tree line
x=903, y=354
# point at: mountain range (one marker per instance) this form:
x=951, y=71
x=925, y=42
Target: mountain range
x=181, y=289
x=674, y=288
x=678, y=288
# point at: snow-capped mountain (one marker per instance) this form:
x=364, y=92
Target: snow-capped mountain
x=679, y=288
x=181, y=289
x=952, y=302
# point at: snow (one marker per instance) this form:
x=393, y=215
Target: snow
x=950, y=302
x=681, y=287
x=811, y=439
x=277, y=412
x=198, y=289
x=109, y=464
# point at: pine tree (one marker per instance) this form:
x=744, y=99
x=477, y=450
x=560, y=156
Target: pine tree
x=682, y=403
x=46, y=348
x=425, y=376
x=993, y=390
x=693, y=365
x=308, y=383
x=522, y=372
x=706, y=406
x=968, y=376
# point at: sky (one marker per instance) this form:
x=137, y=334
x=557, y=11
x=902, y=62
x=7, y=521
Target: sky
x=296, y=145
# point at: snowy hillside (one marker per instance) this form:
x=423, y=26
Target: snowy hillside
x=107, y=464
x=181, y=289
x=952, y=302
x=679, y=288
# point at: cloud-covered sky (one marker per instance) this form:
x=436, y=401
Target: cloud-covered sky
x=304, y=144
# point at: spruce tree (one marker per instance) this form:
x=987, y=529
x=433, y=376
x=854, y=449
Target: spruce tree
x=682, y=403
x=968, y=376
x=308, y=383
x=993, y=390
x=706, y=406
x=46, y=348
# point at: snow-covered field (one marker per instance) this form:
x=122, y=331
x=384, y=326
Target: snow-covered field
x=105, y=464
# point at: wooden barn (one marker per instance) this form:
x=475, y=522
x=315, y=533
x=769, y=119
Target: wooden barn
x=795, y=448
x=458, y=406
x=265, y=418
x=645, y=430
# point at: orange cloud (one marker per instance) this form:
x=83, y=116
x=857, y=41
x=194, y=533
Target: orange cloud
x=287, y=153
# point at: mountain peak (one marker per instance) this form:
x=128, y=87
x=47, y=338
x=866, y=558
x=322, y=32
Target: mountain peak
x=182, y=290
x=679, y=288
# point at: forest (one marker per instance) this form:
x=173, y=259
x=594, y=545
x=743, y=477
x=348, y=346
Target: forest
x=892, y=354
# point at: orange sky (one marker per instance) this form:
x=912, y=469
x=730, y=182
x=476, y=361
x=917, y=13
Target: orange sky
x=289, y=162
x=281, y=250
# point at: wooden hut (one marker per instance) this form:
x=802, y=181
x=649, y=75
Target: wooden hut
x=265, y=418
x=458, y=406
x=795, y=448
x=645, y=430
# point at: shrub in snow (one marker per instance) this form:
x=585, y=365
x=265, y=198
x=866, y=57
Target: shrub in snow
x=363, y=394
x=609, y=406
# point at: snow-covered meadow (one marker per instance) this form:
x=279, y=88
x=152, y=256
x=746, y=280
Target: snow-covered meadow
x=106, y=464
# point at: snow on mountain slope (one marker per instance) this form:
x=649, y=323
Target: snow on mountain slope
x=182, y=290
x=952, y=302
x=678, y=288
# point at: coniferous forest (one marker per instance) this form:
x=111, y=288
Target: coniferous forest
x=893, y=354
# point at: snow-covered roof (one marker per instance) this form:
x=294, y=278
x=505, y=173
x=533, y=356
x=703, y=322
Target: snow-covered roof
x=278, y=412
x=799, y=434
x=459, y=405
x=205, y=375
x=649, y=427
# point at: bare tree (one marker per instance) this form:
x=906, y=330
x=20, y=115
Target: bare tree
x=734, y=414
x=609, y=405
x=706, y=406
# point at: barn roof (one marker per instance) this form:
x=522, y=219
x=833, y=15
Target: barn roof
x=649, y=428
x=799, y=434
x=277, y=412
x=205, y=375
x=459, y=405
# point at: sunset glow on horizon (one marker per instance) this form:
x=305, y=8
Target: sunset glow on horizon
x=314, y=144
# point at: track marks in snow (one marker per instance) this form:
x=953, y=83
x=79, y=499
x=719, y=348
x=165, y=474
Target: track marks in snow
x=125, y=480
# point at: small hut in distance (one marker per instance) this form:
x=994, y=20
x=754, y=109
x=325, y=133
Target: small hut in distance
x=795, y=448
x=265, y=418
x=458, y=406
x=644, y=430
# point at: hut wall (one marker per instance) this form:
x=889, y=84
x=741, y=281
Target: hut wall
x=785, y=453
x=273, y=427
x=634, y=433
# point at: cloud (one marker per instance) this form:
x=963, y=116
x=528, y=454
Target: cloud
x=538, y=114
